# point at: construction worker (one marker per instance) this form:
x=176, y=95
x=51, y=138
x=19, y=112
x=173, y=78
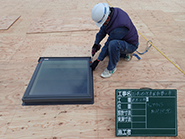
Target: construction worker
x=122, y=40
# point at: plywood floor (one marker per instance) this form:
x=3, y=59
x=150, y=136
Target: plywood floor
x=31, y=36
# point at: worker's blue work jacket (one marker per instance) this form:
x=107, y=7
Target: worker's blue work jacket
x=120, y=27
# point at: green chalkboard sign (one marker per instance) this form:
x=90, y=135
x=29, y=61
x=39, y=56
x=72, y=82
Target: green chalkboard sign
x=146, y=112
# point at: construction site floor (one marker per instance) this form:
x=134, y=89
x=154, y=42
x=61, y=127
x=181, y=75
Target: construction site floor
x=30, y=29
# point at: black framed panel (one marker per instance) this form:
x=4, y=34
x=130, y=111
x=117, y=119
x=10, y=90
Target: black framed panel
x=61, y=80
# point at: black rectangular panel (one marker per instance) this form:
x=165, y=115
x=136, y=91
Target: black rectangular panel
x=61, y=80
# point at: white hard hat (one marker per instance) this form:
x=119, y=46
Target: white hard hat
x=100, y=13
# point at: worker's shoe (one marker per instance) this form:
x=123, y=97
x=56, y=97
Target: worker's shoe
x=128, y=57
x=107, y=73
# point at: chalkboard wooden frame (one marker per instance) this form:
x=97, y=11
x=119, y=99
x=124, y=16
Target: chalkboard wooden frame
x=146, y=112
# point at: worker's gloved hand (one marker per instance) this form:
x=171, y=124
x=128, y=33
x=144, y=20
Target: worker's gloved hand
x=95, y=48
x=95, y=64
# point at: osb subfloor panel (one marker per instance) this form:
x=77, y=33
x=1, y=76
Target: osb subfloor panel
x=162, y=21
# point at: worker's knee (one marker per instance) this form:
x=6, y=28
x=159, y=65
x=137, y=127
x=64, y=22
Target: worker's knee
x=113, y=45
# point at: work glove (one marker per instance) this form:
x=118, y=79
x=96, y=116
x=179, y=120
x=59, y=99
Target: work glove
x=95, y=48
x=95, y=64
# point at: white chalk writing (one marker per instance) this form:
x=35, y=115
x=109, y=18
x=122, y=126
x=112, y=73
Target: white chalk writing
x=161, y=104
x=119, y=106
x=151, y=93
x=124, y=93
x=124, y=112
x=124, y=119
x=136, y=99
x=129, y=106
x=124, y=132
x=161, y=111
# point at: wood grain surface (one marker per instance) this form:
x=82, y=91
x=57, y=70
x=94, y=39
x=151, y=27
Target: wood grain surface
x=64, y=29
x=7, y=21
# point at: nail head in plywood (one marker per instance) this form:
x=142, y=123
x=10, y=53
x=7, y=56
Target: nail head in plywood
x=7, y=21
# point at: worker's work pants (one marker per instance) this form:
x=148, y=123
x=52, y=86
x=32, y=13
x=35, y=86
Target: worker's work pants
x=117, y=48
